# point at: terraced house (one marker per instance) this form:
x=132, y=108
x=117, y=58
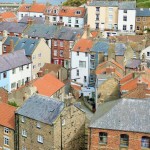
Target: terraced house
x=47, y=123
x=7, y=127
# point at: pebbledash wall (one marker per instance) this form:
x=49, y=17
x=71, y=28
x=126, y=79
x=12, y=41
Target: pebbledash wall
x=113, y=140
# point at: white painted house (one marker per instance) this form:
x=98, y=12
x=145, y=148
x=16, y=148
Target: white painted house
x=68, y=16
x=80, y=62
x=126, y=16
x=15, y=70
x=146, y=53
x=32, y=10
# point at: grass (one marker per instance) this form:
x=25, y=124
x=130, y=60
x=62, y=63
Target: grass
x=143, y=3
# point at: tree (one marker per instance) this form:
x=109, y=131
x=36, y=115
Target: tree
x=74, y=2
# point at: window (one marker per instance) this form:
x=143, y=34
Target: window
x=131, y=27
x=4, y=148
x=40, y=139
x=13, y=71
x=97, y=25
x=63, y=122
x=33, y=57
x=109, y=26
x=24, y=148
x=110, y=17
x=145, y=142
x=55, y=43
x=92, y=65
x=85, y=79
x=124, y=18
x=82, y=64
x=55, y=52
x=97, y=9
x=4, y=49
x=86, y=54
x=138, y=28
x=77, y=72
x=103, y=138
x=110, y=9
x=39, y=64
x=69, y=20
x=5, y=74
x=78, y=12
x=61, y=44
x=21, y=68
x=97, y=16
x=148, y=53
x=77, y=53
x=77, y=21
x=13, y=85
x=54, y=11
x=24, y=133
x=6, y=130
x=39, y=55
x=144, y=19
x=92, y=56
x=21, y=15
x=61, y=53
x=34, y=66
x=125, y=11
x=71, y=44
x=124, y=27
x=55, y=61
x=124, y=140
x=22, y=119
x=6, y=140
x=138, y=19
x=28, y=66
x=54, y=18
x=38, y=125
x=91, y=78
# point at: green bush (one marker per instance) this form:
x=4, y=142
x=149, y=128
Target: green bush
x=13, y=104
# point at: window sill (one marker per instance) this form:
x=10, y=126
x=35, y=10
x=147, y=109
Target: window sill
x=102, y=143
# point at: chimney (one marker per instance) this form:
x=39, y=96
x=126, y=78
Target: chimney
x=30, y=21
x=23, y=2
x=78, y=37
x=46, y=19
x=34, y=2
x=1, y=18
x=87, y=31
x=11, y=45
x=111, y=51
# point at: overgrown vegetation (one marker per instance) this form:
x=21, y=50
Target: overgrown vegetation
x=74, y=2
x=143, y=3
x=13, y=104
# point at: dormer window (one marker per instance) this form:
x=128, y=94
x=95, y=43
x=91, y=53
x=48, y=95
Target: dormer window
x=54, y=11
x=78, y=12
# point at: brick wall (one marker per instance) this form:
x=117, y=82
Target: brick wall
x=113, y=140
x=3, y=95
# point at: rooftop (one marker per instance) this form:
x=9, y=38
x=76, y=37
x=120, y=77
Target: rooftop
x=104, y=3
x=123, y=114
x=48, y=85
x=41, y=108
x=13, y=60
x=142, y=12
x=7, y=113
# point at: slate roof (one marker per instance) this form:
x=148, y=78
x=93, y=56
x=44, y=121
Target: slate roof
x=68, y=33
x=101, y=47
x=7, y=41
x=37, y=20
x=123, y=114
x=13, y=60
x=41, y=108
x=12, y=27
x=143, y=12
x=128, y=5
x=41, y=30
x=28, y=44
x=133, y=63
x=104, y=3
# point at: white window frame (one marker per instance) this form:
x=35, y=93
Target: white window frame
x=6, y=130
x=6, y=140
x=24, y=133
x=40, y=139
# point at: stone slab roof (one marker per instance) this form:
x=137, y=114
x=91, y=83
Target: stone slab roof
x=123, y=114
x=41, y=108
x=143, y=12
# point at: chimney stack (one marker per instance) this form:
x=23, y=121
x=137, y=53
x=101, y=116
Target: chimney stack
x=11, y=45
x=34, y=2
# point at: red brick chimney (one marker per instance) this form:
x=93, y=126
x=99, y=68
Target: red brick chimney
x=11, y=45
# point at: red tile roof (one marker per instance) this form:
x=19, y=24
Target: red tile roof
x=38, y=8
x=126, y=78
x=76, y=87
x=7, y=115
x=83, y=45
x=48, y=85
x=9, y=17
x=71, y=11
x=94, y=34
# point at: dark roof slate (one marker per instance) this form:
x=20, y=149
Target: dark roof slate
x=123, y=114
x=7, y=41
x=13, y=60
x=28, y=44
x=143, y=12
x=127, y=5
x=104, y=3
x=133, y=63
x=41, y=108
x=37, y=20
